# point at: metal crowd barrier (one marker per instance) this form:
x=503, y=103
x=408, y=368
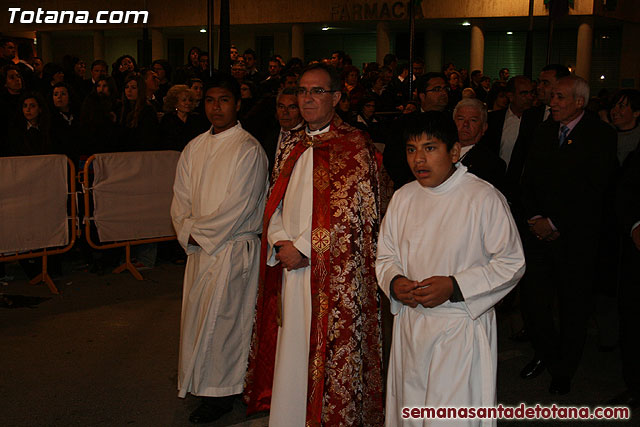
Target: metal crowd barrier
x=17, y=254
x=85, y=177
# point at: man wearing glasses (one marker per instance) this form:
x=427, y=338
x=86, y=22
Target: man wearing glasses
x=316, y=351
x=290, y=120
x=433, y=96
x=432, y=92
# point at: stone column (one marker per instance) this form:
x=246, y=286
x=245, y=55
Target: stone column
x=158, y=44
x=98, y=45
x=44, y=46
x=297, y=41
x=476, y=57
x=383, y=43
x=433, y=50
x=584, y=49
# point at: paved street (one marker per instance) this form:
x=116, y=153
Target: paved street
x=105, y=353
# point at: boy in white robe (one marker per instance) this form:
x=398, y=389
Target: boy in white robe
x=218, y=203
x=448, y=251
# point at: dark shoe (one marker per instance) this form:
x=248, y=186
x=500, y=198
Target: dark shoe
x=627, y=398
x=532, y=369
x=211, y=409
x=560, y=385
x=520, y=336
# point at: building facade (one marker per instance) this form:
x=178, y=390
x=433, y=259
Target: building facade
x=596, y=39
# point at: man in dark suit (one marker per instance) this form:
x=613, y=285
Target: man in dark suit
x=568, y=168
x=470, y=116
x=504, y=124
x=530, y=120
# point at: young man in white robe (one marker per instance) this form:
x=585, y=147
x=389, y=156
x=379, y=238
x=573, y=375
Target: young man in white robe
x=448, y=251
x=219, y=195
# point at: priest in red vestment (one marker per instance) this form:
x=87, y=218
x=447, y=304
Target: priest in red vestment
x=316, y=349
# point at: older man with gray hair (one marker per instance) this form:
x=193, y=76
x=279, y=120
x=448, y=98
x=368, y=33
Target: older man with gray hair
x=470, y=116
x=569, y=166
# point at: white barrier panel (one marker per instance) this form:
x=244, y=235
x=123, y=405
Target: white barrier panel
x=132, y=194
x=33, y=203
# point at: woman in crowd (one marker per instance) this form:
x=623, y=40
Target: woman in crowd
x=29, y=135
x=180, y=124
x=51, y=74
x=350, y=77
x=624, y=116
x=247, y=98
x=163, y=70
x=64, y=123
x=365, y=119
x=138, y=119
x=121, y=68
x=343, y=109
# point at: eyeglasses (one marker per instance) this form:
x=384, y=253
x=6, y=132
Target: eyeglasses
x=436, y=89
x=315, y=92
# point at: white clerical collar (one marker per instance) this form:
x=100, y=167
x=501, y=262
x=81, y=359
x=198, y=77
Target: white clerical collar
x=226, y=132
x=323, y=129
x=450, y=182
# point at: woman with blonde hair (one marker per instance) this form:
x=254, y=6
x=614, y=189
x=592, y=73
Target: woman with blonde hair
x=181, y=124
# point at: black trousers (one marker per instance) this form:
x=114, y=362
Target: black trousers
x=559, y=274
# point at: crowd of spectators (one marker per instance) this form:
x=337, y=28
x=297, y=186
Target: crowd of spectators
x=76, y=110
x=79, y=107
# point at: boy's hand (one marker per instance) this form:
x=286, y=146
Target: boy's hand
x=433, y=291
x=402, y=290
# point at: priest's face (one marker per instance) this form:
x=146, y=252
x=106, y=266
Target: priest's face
x=430, y=160
x=221, y=108
x=317, y=108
